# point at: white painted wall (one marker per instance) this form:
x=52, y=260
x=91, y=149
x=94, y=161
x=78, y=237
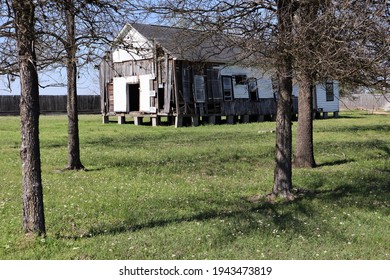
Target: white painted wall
x=264, y=83
x=328, y=106
x=137, y=47
x=265, y=89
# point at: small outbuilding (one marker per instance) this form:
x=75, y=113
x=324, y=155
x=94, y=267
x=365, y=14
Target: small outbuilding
x=185, y=77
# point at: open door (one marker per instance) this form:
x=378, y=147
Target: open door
x=121, y=101
x=145, y=92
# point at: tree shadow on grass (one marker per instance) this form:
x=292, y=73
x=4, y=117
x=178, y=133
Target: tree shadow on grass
x=335, y=162
x=282, y=214
x=343, y=116
x=295, y=219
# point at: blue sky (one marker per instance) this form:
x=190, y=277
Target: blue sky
x=88, y=83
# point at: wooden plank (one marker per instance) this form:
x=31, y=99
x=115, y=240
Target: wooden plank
x=51, y=104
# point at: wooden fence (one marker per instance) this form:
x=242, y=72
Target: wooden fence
x=51, y=104
x=374, y=102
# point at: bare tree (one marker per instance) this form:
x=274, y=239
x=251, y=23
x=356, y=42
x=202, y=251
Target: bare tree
x=73, y=34
x=25, y=29
x=24, y=24
x=336, y=40
x=8, y=45
x=283, y=149
x=263, y=32
x=74, y=161
x=305, y=36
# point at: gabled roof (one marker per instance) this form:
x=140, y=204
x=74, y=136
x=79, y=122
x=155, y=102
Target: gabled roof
x=188, y=44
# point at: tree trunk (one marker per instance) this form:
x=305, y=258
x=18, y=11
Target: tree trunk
x=283, y=150
x=304, y=18
x=304, y=156
x=33, y=211
x=74, y=162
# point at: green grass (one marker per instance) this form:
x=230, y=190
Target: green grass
x=166, y=193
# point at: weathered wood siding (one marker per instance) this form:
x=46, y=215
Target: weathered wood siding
x=133, y=68
x=248, y=107
x=9, y=104
x=366, y=101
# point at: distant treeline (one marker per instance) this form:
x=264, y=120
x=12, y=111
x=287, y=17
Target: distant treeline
x=51, y=104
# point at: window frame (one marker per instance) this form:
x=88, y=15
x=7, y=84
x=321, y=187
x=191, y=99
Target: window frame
x=227, y=97
x=329, y=91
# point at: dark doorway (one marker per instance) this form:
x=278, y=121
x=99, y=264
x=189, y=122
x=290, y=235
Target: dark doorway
x=160, y=98
x=133, y=91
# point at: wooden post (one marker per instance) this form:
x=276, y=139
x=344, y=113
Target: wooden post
x=178, y=121
x=212, y=120
x=336, y=115
x=230, y=119
x=260, y=118
x=106, y=119
x=171, y=120
x=121, y=119
x=245, y=119
x=155, y=121
x=325, y=115
x=195, y=120
x=138, y=120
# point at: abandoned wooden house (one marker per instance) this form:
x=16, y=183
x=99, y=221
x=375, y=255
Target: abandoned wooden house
x=185, y=77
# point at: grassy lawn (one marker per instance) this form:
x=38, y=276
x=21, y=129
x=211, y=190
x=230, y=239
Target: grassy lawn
x=166, y=193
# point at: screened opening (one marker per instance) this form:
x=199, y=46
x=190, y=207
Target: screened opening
x=199, y=87
x=214, y=91
x=329, y=91
x=252, y=88
x=240, y=79
x=227, y=88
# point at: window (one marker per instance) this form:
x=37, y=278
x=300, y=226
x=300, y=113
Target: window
x=186, y=80
x=252, y=89
x=200, y=90
x=214, y=85
x=240, y=79
x=329, y=91
x=227, y=88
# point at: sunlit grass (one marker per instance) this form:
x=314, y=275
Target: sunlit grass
x=166, y=193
